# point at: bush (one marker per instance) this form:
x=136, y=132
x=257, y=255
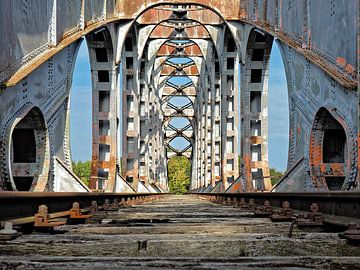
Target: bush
x=179, y=171
x=275, y=176
x=82, y=170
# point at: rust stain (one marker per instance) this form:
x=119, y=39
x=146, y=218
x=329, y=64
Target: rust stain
x=350, y=69
x=234, y=10
x=341, y=61
x=247, y=163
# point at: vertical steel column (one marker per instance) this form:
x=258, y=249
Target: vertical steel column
x=254, y=112
x=104, y=84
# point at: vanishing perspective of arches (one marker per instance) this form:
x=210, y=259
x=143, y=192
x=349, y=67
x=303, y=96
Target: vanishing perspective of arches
x=156, y=61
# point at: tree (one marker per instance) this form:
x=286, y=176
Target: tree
x=179, y=171
x=82, y=170
x=275, y=176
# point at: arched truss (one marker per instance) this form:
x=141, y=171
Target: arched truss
x=325, y=71
x=180, y=33
x=172, y=132
x=261, y=17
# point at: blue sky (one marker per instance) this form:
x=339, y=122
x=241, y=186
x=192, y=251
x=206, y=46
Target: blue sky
x=80, y=117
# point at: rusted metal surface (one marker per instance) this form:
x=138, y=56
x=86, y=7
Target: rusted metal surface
x=180, y=232
x=352, y=234
x=342, y=76
x=230, y=10
x=313, y=218
x=23, y=205
x=264, y=211
x=340, y=204
x=75, y=212
x=43, y=221
x=320, y=65
x=282, y=214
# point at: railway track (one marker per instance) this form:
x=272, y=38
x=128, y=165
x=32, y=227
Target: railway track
x=338, y=208
x=182, y=232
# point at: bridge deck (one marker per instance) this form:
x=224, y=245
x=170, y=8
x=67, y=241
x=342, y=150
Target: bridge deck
x=179, y=232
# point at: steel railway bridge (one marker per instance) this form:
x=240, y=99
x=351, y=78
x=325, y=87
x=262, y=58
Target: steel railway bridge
x=164, y=50
x=145, y=56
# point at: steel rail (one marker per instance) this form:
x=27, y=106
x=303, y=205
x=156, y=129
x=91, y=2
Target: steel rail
x=339, y=204
x=17, y=205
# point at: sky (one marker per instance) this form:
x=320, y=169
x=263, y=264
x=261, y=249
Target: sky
x=81, y=100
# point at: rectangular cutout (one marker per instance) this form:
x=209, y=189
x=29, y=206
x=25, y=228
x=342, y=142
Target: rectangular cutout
x=229, y=145
x=99, y=36
x=230, y=165
x=258, y=55
x=130, y=164
x=230, y=63
x=217, y=129
x=217, y=169
x=130, y=124
x=217, y=148
x=104, y=101
x=217, y=67
x=23, y=183
x=24, y=145
x=142, y=67
x=103, y=76
x=143, y=128
x=142, y=108
x=104, y=127
x=230, y=123
x=104, y=152
x=230, y=82
x=129, y=82
x=231, y=45
x=230, y=179
x=260, y=37
x=335, y=183
x=101, y=55
x=130, y=103
x=131, y=144
x=255, y=128
x=103, y=174
x=255, y=150
x=102, y=177
x=256, y=75
x=230, y=103
x=217, y=109
x=129, y=63
x=128, y=44
x=257, y=176
x=142, y=147
x=255, y=101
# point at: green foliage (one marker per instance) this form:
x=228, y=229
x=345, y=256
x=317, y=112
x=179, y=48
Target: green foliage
x=179, y=171
x=275, y=175
x=82, y=170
